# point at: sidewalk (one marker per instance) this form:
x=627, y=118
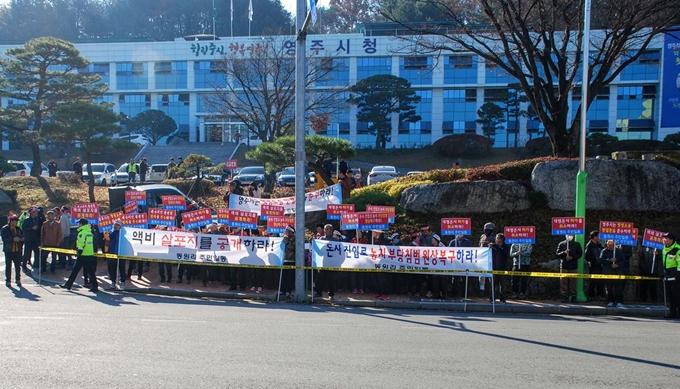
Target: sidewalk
x=150, y=284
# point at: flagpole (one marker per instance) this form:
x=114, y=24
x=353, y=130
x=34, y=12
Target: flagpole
x=231, y=18
x=250, y=15
x=214, y=13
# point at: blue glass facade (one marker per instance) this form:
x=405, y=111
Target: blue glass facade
x=333, y=72
x=176, y=105
x=417, y=70
x=460, y=111
x=101, y=69
x=460, y=69
x=171, y=75
x=132, y=75
x=372, y=66
x=208, y=74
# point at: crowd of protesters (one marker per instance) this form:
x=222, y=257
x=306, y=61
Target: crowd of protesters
x=25, y=234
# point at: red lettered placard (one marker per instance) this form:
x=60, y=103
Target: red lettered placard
x=242, y=219
x=568, y=226
x=456, y=226
x=271, y=210
x=89, y=211
x=277, y=224
x=653, y=239
x=197, y=218
x=174, y=202
x=163, y=217
x=388, y=209
x=106, y=221
x=230, y=164
x=130, y=207
x=520, y=234
x=223, y=215
x=333, y=211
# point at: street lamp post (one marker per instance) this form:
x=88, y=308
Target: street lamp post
x=582, y=176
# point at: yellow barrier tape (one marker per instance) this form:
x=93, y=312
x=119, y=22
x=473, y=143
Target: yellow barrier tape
x=443, y=272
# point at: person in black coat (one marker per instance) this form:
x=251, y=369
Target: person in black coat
x=12, y=242
x=77, y=167
x=501, y=254
x=592, y=256
x=569, y=252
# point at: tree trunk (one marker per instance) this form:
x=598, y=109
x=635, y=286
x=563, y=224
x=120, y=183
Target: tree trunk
x=90, y=181
x=36, y=169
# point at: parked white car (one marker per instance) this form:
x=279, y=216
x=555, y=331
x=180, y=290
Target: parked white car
x=104, y=174
x=381, y=174
x=23, y=169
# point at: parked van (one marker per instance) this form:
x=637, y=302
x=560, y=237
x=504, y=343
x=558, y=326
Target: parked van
x=157, y=172
x=154, y=193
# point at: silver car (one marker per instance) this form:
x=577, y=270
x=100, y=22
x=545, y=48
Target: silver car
x=381, y=174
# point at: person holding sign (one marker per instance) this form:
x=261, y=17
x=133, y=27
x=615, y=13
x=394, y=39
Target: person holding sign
x=569, y=252
x=669, y=257
x=501, y=253
x=521, y=261
x=613, y=263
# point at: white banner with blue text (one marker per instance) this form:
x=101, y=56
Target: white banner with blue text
x=314, y=201
x=402, y=258
x=201, y=248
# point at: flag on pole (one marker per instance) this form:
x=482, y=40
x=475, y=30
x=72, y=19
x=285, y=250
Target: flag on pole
x=312, y=10
x=231, y=11
x=250, y=10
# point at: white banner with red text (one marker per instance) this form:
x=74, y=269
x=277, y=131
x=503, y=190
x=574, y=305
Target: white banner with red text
x=466, y=260
x=164, y=245
x=314, y=201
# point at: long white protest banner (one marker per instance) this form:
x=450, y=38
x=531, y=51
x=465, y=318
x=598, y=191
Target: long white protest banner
x=401, y=258
x=314, y=201
x=201, y=248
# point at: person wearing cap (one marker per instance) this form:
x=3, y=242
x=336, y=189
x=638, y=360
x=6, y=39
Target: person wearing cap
x=143, y=170
x=50, y=236
x=85, y=257
x=670, y=255
x=288, y=276
x=12, y=244
x=426, y=236
x=31, y=226
x=114, y=264
x=180, y=161
x=613, y=262
x=170, y=172
x=68, y=238
x=569, y=251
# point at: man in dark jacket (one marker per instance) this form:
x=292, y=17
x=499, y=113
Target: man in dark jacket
x=52, y=167
x=77, y=167
x=31, y=227
x=569, y=252
x=649, y=265
x=593, y=249
x=143, y=170
x=614, y=262
x=114, y=240
x=12, y=242
x=501, y=253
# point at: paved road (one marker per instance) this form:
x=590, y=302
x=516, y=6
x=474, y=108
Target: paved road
x=53, y=338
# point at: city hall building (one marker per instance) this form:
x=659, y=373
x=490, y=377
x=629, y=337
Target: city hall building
x=175, y=77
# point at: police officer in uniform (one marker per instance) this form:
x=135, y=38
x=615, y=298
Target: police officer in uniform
x=85, y=257
x=669, y=257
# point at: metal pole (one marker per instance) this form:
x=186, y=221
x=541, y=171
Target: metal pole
x=582, y=176
x=300, y=157
x=214, y=13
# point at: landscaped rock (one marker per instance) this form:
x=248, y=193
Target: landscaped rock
x=466, y=197
x=4, y=198
x=611, y=185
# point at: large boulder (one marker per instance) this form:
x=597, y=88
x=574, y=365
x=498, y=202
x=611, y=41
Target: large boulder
x=611, y=185
x=5, y=198
x=466, y=197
